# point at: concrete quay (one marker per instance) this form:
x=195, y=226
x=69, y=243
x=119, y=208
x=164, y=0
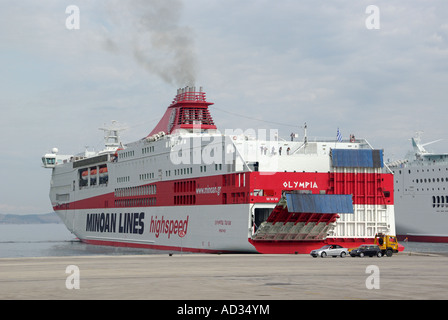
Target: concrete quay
x=225, y=277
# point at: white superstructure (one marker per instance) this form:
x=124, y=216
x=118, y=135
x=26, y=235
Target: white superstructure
x=421, y=194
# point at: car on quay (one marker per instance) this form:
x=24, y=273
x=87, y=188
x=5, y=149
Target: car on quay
x=370, y=250
x=333, y=250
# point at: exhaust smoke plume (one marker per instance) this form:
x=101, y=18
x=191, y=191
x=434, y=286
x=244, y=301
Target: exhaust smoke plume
x=158, y=43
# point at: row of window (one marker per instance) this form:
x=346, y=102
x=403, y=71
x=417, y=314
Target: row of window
x=147, y=150
x=427, y=189
x=439, y=201
x=183, y=200
x=236, y=197
x=423, y=170
x=136, y=191
x=177, y=172
x=142, y=202
x=429, y=180
x=218, y=166
x=146, y=176
x=181, y=171
x=123, y=179
x=126, y=154
x=185, y=186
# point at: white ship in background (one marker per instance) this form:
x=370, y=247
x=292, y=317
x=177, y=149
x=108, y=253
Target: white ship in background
x=187, y=186
x=421, y=194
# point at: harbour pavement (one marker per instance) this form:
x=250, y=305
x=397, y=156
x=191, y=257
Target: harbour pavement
x=225, y=277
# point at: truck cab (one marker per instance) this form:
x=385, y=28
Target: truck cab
x=387, y=243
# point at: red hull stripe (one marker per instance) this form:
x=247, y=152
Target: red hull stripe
x=150, y=246
x=240, y=188
x=423, y=238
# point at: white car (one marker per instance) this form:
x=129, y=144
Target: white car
x=333, y=250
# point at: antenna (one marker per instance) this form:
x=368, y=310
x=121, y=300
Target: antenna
x=112, y=135
x=305, y=137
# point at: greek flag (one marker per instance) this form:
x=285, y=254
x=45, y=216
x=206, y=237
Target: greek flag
x=339, y=136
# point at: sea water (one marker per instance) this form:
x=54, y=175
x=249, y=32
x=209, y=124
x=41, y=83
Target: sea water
x=46, y=240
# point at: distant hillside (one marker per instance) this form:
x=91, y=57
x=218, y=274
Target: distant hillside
x=29, y=218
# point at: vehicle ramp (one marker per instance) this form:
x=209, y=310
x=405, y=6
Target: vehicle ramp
x=300, y=216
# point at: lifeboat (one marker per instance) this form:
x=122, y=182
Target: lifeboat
x=85, y=174
x=103, y=172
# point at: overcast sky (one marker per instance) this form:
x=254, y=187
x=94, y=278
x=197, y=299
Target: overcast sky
x=285, y=61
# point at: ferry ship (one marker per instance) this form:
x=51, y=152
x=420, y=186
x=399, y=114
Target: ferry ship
x=421, y=194
x=187, y=186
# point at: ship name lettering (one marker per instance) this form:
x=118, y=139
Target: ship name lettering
x=107, y=222
x=132, y=223
x=168, y=227
x=300, y=184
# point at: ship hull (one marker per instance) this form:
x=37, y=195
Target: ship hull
x=216, y=228
x=202, y=229
x=417, y=220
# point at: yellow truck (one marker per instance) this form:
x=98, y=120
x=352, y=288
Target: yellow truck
x=387, y=243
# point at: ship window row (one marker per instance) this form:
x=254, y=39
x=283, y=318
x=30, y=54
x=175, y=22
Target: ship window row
x=427, y=189
x=238, y=197
x=142, y=202
x=423, y=189
x=429, y=180
x=423, y=170
x=185, y=186
x=136, y=191
x=427, y=170
x=147, y=150
x=181, y=171
x=184, y=200
x=126, y=154
x=123, y=179
x=439, y=201
x=146, y=176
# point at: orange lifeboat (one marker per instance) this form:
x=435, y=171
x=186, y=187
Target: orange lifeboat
x=103, y=172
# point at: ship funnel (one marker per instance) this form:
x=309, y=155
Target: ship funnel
x=189, y=110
